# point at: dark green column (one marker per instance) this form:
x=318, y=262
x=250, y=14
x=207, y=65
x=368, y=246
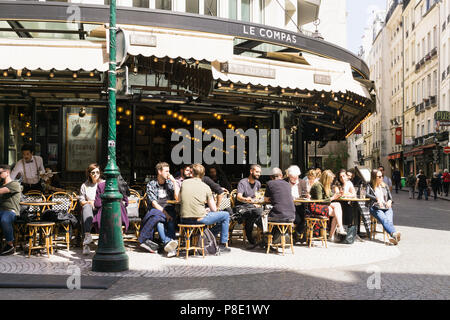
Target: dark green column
x=110, y=255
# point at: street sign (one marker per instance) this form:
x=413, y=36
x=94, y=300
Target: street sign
x=446, y=149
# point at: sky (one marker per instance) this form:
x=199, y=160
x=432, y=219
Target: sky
x=358, y=17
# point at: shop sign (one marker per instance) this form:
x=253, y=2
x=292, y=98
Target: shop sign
x=398, y=135
x=270, y=34
x=409, y=141
x=442, y=118
x=247, y=70
x=447, y=150
x=81, y=141
x=142, y=39
x=322, y=79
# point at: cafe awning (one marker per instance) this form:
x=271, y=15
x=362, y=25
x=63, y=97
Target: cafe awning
x=47, y=54
x=317, y=74
x=160, y=42
x=396, y=155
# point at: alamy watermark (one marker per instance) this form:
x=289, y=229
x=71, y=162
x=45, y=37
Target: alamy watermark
x=74, y=280
x=374, y=280
x=232, y=147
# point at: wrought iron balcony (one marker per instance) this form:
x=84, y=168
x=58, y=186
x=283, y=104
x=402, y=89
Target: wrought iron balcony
x=443, y=75
x=427, y=103
x=434, y=52
x=421, y=107
x=432, y=100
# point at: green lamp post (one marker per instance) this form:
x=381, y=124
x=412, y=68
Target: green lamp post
x=110, y=255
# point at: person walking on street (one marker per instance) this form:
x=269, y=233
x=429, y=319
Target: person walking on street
x=411, y=184
x=446, y=181
x=435, y=184
x=396, y=178
x=386, y=179
x=422, y=185
x=440, y=180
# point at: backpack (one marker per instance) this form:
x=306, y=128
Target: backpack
x=351, y=235
x=209, y=241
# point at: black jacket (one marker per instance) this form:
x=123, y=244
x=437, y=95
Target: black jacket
x=370, y=193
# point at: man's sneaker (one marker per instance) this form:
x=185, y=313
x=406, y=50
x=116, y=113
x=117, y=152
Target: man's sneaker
x=172, y=254
x=150, y=246
x=86, y=249
x=224, y=249
x=397, y=236
x=170, y=246
x=87, y=238
x=7, y=250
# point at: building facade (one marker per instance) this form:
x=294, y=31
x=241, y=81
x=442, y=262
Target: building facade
x=413, y=119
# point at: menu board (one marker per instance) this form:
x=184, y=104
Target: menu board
x=81, y=141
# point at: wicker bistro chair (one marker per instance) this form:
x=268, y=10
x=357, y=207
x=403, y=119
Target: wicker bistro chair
x=373, y=230
x=234, y=222
x=283, y=228
x=28, y=214
x=65, y=204
x=134, y=202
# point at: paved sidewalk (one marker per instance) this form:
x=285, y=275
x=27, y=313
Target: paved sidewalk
x=430, y=196
x=418, y=268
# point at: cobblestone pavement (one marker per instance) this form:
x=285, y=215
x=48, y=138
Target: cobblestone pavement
x=418, y=268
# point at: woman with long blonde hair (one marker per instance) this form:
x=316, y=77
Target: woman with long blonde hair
x=321, y=190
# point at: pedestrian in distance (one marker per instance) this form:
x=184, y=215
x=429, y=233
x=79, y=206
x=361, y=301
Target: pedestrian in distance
x=435, y=182
x=446, y=181
x=396, y=178
x=422, y=185
x=411, y=184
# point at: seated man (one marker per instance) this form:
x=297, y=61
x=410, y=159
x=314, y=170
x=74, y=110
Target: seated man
x=246, y=195
x=162, y=215
x=298, y=190
x=278, y=193
x=219, y=179
x=185, y=173
x=194, y=195
x=9, y=207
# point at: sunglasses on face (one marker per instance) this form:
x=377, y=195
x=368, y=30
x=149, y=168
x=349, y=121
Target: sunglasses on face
x=94, y=172
x=379, y=176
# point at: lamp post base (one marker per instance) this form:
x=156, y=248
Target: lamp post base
x=110, y=262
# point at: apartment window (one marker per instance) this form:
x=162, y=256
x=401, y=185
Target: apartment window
x=163, y=4
x=232, y=9
x=429, y=42
x=192, y=6
x=423, y=47
x=423, y=89
x=435, y=41
x=141, y=3
x=428, y=85
x=423, y=130
x=429, y=125
x=210, y=7
x=262, y=15
x=435, y=82
x=245, y=10
x=407, y=128
x=418, y=51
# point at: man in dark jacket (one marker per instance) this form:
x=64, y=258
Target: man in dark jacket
x=396, y=178
x=422, y=184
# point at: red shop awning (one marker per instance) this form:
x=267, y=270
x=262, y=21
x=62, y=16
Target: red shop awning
x=394, y=156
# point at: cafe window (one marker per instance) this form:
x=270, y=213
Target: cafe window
x=210, y=7
x=232, y=9
x=163, y=4
x=141, y=3
x=192, y=6
x=245, y=10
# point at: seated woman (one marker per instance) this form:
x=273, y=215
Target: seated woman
x=86, y=198
x=321, y=190
x=380, y=205
x=345, y=185
x=124, y=190
x=310, y=180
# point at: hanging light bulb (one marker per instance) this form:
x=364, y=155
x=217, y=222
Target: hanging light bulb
x=74, y=75
x=91, y=74
x=135, y=69
x=120, y=109
x=128, y=112
x=175, y=115
x=118, y=122
x=189, y=122
x=169, y=112
x=141, y=118
x=152, y=122
x=28, y=73
x=5, y=73
x=155, y=59
x=163, y=126
x=51, y=74
x=322, y=95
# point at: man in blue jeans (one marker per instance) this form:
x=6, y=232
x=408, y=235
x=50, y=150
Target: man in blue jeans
x=9, y=207
x=194, y=195
x=162, y=216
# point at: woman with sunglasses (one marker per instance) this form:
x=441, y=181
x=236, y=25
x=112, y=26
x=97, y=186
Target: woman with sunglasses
x=88, y=192
x=380, y=205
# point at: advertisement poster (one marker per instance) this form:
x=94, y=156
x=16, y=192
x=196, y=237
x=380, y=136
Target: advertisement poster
x=81, y=141
x=52, y=153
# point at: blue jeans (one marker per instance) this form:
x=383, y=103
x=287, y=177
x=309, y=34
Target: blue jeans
x=169, y=225
x=220, y=218
x=423, y=190
x=385, y=217
x=7, y=219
